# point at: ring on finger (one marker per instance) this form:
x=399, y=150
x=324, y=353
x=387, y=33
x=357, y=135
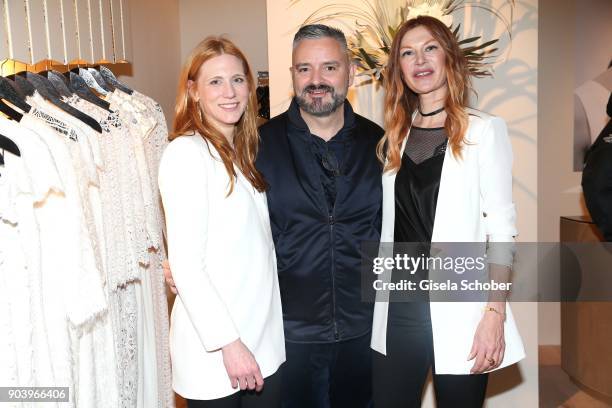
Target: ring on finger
x=491, y=361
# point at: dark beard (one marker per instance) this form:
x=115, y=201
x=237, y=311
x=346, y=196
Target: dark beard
x=317, y=107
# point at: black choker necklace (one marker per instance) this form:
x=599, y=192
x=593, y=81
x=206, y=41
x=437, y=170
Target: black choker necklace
x=431, y=113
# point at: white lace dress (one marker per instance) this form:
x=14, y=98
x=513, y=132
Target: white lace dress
x=24, y=182
x=102, y=229
x=140, y=126
x=67, y=223
x=92, y=305
x=154, y=145
x=94, y=369
x=118, y=196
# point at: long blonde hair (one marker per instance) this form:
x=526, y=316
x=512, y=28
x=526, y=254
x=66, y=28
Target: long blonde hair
x=401, y=102
x=189, y=118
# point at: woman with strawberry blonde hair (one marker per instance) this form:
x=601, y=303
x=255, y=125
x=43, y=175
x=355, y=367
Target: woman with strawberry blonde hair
x=447, y=178
x=226, y=334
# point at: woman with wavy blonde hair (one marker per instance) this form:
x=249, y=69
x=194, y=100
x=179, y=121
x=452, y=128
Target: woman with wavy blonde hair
x=226, y=334
x=447, y=178
x=401, y=101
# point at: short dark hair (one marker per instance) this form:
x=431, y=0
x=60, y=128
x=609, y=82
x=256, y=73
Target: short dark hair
x=316, y=31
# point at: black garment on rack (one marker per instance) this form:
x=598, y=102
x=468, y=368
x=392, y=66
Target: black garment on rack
x=597, y=181
x=263, y=100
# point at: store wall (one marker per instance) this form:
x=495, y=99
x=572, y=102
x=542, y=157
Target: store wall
x=155, y=62
x=511, y=94
x=562, y=69
x=242, y=21
x=164, y=31
x=560, y=194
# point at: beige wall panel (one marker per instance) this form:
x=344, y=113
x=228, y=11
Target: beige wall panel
x=56, y=37
x=243, y=21
x=70, y=21
x=127, y=42
x=106, y=32
x=156, y=44
x=118, y=48
x=19, y=30
x=559, y=187
x=38, y=29
x=85, y=50
x=95, y=27
x=5, y=51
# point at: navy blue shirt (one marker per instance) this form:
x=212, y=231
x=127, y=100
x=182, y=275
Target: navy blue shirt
x=329, y=154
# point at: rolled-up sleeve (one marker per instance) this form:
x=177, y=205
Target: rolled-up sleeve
x=183, y=187
x=495, y=161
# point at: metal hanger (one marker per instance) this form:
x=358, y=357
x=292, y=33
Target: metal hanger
x=8, y=145
x=11, y=81
x=47, y=91
x=100, y=80
x=11, y=77
x=10, y=112
x=23, y=84
x=8, y=93
x=60, y=83
x=91, y=81
x=80, y=87
x=40, y=83
x=110, y=78
x=55, y=78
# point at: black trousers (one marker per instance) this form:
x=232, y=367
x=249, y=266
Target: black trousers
x=269, y=397
x=328, y=375
x=399, y=377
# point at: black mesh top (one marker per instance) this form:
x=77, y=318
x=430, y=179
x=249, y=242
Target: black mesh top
x=416, y=195
x=417, y=183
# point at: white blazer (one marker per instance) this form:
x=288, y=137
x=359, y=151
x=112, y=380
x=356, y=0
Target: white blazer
x=474, y=204
x=223, y=263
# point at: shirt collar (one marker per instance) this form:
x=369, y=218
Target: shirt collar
x=296, y=120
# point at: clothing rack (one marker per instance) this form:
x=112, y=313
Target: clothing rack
x=10, y=66
x=80, y=211
x=65, y=30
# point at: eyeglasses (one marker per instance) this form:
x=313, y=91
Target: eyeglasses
x=330, y=162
